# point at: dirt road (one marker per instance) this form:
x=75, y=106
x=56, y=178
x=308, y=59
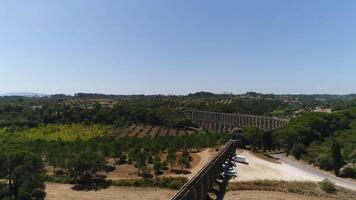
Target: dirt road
x=346, y=183
x=287, y=170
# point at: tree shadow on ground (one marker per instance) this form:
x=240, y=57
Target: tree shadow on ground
x=180, y=171
x=96, y=185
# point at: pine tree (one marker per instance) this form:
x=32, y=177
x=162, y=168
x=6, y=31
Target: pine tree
x=336, y=156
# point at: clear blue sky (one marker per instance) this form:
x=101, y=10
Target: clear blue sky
x=178, y=46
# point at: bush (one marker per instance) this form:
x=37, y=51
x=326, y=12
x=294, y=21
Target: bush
x=60, y=179
x=298, y=150
x=59, y=172
x=348, y=171
x=146, y=173
x=109, y=168
x=327, y=186
x=326, y=164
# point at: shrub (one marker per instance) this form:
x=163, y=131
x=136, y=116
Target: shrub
x=109, y=168
x=327, y=186
x=60, y=179
x=298, y=150
x=326, y=164
x=348, y=171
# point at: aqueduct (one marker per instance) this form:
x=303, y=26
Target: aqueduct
x=223, y=122
x=200, y=185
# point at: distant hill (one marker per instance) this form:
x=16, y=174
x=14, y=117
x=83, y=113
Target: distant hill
x=23, y=94
x=202, y=94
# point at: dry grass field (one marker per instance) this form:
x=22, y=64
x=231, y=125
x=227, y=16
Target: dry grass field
x=294, y=190
x=258, y=195
x=64, y=192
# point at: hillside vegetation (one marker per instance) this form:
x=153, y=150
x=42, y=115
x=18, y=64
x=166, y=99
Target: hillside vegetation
x=325, y=140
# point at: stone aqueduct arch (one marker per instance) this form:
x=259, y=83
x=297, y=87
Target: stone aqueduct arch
x=223, y=122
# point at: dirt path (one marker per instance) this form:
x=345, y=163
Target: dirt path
x=63, y=192
x=258, y=195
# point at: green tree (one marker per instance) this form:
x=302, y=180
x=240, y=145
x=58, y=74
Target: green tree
x=85, y=167
x=140, y=160
x=25, y=174
x=336, y=156
x=157, y=165
x=298, y=150
x=4, y=163
x=116, y=150
x=184, y=160
x=172, y=157
x=255, y=137
x=54, y=157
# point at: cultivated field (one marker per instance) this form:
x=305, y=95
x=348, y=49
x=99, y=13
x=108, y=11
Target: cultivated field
x=139, y=130
x=89, y=102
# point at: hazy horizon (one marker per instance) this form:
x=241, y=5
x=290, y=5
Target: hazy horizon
x=178, y=47
x=49, y=94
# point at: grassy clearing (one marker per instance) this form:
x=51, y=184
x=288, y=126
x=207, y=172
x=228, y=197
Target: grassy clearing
x=296, y=187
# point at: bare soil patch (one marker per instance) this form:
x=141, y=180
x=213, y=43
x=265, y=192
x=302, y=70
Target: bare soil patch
x=124, y=171
x=128, y=171
x=145, y=131
x=154, y=132
x=163, y=132
x=172, y=132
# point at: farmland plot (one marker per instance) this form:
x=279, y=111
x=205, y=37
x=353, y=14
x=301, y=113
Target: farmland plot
x=163, y=132
x=145, y=131
x=155, y=131
x=136, y=131
x=172, y=132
